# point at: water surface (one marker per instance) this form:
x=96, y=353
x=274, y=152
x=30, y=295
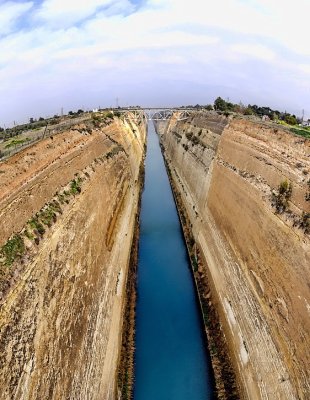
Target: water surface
x=171, y=362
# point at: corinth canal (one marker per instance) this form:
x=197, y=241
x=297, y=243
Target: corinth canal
x=171, y=361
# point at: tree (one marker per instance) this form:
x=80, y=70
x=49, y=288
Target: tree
x=41, y=119
x=220, y=104
x=229, y=106
x=248, y=111
x=31, y=120
x=290, y=119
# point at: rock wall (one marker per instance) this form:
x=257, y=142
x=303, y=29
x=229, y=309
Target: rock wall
x=228, y=173
x=62, y=299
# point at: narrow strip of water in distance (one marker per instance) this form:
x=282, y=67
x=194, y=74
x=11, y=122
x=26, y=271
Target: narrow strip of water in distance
x=171, y=359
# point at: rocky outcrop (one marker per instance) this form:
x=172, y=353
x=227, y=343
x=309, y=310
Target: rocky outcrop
x=245, y=189
x=63, y=291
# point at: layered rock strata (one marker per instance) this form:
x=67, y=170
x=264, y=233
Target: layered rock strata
x=71, y=201
x=245, y=189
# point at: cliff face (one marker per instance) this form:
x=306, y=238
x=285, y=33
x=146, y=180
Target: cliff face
x=63, y=293
x=244, y=186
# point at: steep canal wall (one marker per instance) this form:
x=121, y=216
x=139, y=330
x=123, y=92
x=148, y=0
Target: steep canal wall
x=68, y=208
x=243, y=194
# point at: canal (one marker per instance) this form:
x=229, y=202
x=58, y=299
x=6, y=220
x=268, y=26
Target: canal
x=171, y=360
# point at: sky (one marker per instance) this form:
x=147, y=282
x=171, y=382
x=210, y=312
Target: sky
x=75, y=54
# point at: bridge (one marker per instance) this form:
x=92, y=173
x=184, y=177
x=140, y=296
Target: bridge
x=154, y=114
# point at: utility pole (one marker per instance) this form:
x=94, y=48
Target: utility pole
x=303, y=116
x=117, y=105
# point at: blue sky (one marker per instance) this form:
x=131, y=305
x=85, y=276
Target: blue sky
x=82, y=54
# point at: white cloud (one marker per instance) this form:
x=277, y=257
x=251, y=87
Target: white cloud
x=226, y=43
x=305, y=68
x=60, y=13
x=254, y=51
x=9, y=13
x=285, y=24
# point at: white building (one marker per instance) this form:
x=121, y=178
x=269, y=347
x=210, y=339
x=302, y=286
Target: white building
x=306, y=123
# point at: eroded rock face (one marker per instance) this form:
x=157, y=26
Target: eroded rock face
x=62, y=302
x=257, y=259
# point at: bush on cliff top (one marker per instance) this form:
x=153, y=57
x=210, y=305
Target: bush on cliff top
x=305, y=132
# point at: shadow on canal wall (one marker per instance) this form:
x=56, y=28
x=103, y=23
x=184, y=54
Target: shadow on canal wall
x=126, y=361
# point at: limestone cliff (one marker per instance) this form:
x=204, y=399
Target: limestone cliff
x=245, y=188
x=67, y=212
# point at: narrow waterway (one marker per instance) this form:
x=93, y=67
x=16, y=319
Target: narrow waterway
x=171, y=361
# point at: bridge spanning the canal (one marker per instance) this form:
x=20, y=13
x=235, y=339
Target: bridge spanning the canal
x=155, y=114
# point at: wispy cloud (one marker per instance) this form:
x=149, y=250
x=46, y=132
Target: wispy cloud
x=255, y=51
x=77, y=52
x=62, y=14
x=10, y=12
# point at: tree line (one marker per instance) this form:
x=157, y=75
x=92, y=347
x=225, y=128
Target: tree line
x=227, y=107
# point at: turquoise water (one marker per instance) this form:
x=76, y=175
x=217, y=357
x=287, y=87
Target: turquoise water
x=171, y=361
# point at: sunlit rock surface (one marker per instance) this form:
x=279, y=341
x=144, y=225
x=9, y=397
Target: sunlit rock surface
x=228, y=172
x=62, y=300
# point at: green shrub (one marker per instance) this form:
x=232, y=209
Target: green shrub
x=285, y=188
x=281, y=198
x=28, y=235
x=115, y=150
x=95, y=117
x=16, y=142
x=13, y=248
x=75, y=186
x=48, y=216
x=195, y=140
x=61, y=198
x=307, y=195
x=189, y=135
x=194, y=263
x=290, y=119
x=109, y=114
x=36, y=225
x=248, y=111
x=305, y=222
